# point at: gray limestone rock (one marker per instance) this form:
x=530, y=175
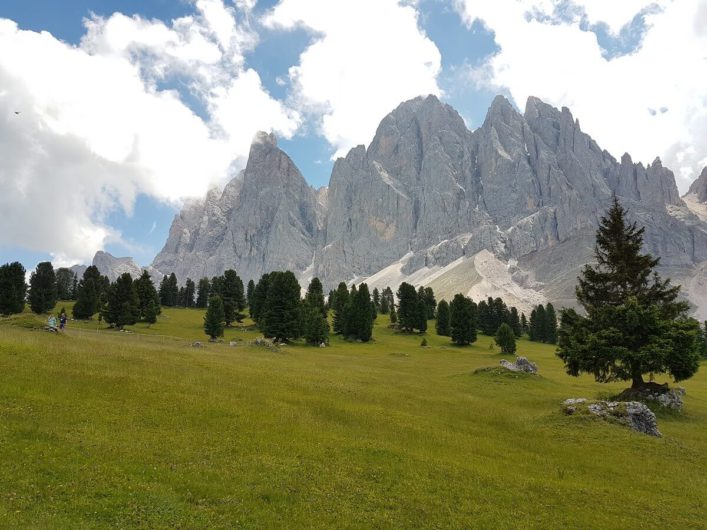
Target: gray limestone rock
x=521, y=365
x=632, y=414
x=699, y=187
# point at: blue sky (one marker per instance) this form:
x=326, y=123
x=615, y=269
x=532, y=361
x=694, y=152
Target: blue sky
x=320, y=75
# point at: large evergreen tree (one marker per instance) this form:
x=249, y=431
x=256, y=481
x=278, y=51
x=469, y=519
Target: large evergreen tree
x=315, y=296
x=233, y=296
x=249, y=294
x=42, y=288
x=408, y=318
x=202, y=293
x=12, y=288
x=358, y=314
x=634, y=323
x=214, y=318
x=64, y=283
x=148, y=299
x=514, y=322
x=282, y=311
x=169, y=291
x=462, y=320
x=550, y=328
x=189, y=291
x=341, y=300
x=442, y=324
x=122, y=307
x=257, y=304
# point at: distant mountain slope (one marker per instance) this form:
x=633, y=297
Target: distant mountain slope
x=507, y=210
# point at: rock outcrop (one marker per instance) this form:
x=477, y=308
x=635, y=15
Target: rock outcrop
x=632, y=414
x=508, y=210
x=521, y=365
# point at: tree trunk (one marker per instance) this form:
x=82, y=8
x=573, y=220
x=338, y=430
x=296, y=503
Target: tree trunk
x=637, y=379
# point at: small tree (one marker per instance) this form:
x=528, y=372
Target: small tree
x=442, y=324
x=123, y=306
x=147, y=295
x=282, y=312
x=42, y=288
x=634, y=323
x=315, y=326
x=506, y=339
x=214, y=320
x=202, y=293
x=150, y=314
x=340, y=302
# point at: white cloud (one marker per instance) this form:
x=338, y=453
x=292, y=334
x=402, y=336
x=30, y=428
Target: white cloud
x=102, y=122
x=368, y=57
x=619, y=100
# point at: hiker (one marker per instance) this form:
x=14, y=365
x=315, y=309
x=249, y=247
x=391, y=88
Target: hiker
x=51, y=323
x=62, y=321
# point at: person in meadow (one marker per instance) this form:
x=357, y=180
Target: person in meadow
x=62, y=321
x=51, y=323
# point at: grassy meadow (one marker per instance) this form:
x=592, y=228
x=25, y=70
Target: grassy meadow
x=102, y=429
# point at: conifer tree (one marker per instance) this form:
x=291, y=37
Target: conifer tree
x=359, y=318
x=282, y=310
x=90, y=293
x=147, y=296
x=340, y=302
x=407, y=307
x=523, y=324
x=421, y=314
x=315, y=325
x=485, y=318
x=505, y=339
x=634, y=323
x=233, y=296
x=550, y=335
x=64, y=283
x=442, y=324
x=214, y=319
x=150, y=315
x=461, y=320
x=393, y=315
x=122, y=307
x=514, y=322
x=249, y=293
x=260, y=294
x=189, y=291
x=315, y=296
x=377, y=298
x=169, y=291
x=202, y=293
x=430, y=302
x=42, y=288
x=12, y=288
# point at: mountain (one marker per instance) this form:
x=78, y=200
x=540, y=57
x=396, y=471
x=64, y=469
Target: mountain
x=507, y=210
x=696, y=196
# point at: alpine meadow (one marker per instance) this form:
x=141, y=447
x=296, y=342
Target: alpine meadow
x=295, y=264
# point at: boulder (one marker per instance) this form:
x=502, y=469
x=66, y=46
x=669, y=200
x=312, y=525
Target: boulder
x=521, y=365
x=663, y=395
x=633, y=414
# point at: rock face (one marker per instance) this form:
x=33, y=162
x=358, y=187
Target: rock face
x=632, y=414
x=110, y=266
x=699, y=187
x=508, y=210
x=267, y=218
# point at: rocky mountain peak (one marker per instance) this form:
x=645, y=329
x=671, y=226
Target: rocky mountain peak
x=699, y=187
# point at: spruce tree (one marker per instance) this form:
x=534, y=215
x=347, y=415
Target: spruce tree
x=393, y=315
x=523, y=324
x=122, y=307
x=407, y=307
x=282, y=311
x=150, y=314
x=315, y=325
x=485, y=318
x=634, y=323
x=430, y=302
x=359, y=318
x=147, y=296
x=442, y=324
x=514, y=322
x=315, y=296
x=189, y=291
x=12, y=288
x=421, y=314
x=42, y=288
x=461, y=320
x=233, y=296
x=340, y=302
x=377, y=298
x=169, y=291
x=260, y=293
x=64, y=283
x=214, y=318
x=249, y=293
x=90, y=293
x=505, y=339
x=202, y=293
x=550, y=325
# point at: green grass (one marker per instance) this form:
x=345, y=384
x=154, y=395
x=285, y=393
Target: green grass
x=101, y=429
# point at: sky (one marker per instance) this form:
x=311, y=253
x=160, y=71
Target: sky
x=115, y=112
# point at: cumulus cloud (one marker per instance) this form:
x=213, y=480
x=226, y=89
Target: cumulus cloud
x=104, y=121
x=650, y=101
x=367, y=57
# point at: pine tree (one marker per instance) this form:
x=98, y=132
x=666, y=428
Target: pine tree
x=442, y=324
x=249, y=294
x=315, y=325
x=515, y=323
x=202, y=293
x=393, y=315
x=421, y=314
x=147, y=296
x=523, y=324
x=260, y=293
x=550, y=325
x=634, y=323
x=233, y=296
x=359, y=318
x=430, y=302
x=90, y=293
x=150, y=315
x=122, y=308
x=461, y=320
x=12, y=288
x=407, y=307
x=42, y=288
x=340, y=302
x=64, y=283
x=315, y=296
x=74, y=287
x=282, y=311
x=377, y=298
x=189, y=291
x=505, y=339
x=169, y=291
x=214, y=322
x=485, y=318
